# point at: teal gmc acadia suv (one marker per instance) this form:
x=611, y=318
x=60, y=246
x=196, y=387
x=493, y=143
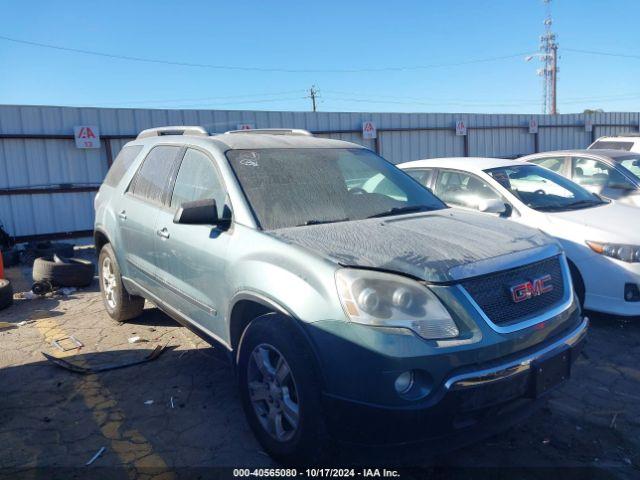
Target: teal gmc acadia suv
x=349, y=313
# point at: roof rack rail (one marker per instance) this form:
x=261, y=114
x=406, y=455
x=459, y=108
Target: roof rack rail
x=174, y=130
x=276, y=131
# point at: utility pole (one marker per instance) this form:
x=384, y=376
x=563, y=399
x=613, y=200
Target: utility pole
x=313, y=94
x=554, y=78
x=549, y=57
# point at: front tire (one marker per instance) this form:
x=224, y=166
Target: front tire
x=119, y=303
x=280, y=391
x=578, y=283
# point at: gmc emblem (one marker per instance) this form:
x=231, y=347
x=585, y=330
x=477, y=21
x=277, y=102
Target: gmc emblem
x=527, y=290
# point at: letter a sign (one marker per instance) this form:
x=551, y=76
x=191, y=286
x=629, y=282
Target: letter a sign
x=87, y=136
x=369, y=130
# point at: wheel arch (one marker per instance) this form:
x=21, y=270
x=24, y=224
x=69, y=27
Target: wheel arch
x=578, y=281
x=247, y=306
x=100, y=239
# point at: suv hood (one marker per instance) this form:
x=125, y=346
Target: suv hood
x=440, y=246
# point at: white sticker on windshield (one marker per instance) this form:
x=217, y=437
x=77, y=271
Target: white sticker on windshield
x=249, y=159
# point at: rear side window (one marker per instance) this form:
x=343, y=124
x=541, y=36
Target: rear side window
x=604, y=144
x=422, y=175
x=555, y=164
x=589, y=172
x=121, y=164
x=153, y=176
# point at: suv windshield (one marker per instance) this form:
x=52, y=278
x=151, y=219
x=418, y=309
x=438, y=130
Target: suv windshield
x=542, y=189
x=296, y=187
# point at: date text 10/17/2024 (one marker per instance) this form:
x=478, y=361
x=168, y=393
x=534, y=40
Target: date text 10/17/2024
x=317, y=472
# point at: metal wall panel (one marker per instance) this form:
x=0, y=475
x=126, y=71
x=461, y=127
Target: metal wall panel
x=501, y=142
x=560, y=138
x=26, y=215
x=404, y=146
x=350, y=137
x=602, y=131
x=42, y=162
x=33, y=162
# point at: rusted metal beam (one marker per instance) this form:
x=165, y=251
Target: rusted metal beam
x=53, y=236
x=49, y=190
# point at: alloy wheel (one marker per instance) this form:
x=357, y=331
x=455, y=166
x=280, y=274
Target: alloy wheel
x=273, y=392
x=109, y=283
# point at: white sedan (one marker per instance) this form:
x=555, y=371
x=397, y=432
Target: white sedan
x=601, y=237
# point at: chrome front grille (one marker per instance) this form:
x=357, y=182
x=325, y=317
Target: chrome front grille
x=493, y=293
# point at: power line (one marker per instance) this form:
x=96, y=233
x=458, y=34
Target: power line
x=475, y=104
x=259, y=96
x=247, y=102
x=606, y=54
x=257, y=69
x=460, y=101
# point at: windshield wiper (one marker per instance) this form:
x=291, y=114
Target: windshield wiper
x=401, y=210
x=584, y=203
x=568, y=206
x=320, y=222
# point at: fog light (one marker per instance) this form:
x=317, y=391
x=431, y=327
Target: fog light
x=404, y=382
x=631, y=292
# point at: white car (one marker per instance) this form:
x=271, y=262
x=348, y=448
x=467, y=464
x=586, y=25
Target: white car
x=601, y=237
x=614, y=174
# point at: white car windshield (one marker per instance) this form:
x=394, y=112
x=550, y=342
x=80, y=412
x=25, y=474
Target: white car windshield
x=542, y=189
x=307, y=186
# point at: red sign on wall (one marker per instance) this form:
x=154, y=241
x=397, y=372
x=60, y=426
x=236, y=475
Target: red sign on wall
x=369, y=130
x=87, y=136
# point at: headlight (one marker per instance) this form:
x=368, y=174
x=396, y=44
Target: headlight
x=383, y=299
x=626, y=253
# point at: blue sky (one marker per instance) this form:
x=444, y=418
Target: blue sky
x=326, y=35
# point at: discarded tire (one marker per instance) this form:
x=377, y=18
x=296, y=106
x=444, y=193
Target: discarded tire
x=6, y=293
x=63, y=272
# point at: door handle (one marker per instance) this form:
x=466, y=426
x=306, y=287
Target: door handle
x=164, y=233
x=123, y=215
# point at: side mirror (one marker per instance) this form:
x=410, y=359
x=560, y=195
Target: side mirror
x=492, y=205
x=199, y=212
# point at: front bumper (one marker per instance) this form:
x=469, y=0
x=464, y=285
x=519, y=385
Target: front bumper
x=605, y=280
x=473, y=401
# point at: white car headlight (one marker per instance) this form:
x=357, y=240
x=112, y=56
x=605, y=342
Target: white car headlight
x=626, y=253
x=386, y=300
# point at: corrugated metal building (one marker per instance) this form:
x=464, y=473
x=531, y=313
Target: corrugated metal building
x=47, y=184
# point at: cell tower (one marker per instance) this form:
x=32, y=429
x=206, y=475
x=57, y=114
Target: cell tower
x=549, y=58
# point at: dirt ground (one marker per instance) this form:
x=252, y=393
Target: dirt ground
x=180, y=416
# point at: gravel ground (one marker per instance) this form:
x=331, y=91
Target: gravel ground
x=180, y=416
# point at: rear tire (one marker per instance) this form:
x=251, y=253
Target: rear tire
x=119, y=303
x=281, y=398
